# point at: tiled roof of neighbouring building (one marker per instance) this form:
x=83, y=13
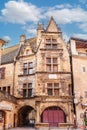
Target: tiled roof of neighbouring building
x=80, y=43
x=9, y=53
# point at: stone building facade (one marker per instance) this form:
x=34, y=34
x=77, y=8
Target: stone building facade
x=79, y=71
x=35, y=81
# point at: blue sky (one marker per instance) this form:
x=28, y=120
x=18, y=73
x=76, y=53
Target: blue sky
x=19, y=17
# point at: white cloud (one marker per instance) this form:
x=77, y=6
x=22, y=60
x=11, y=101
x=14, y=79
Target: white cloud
x=65, y=37
x=67, y=15
x=81, y=36
x=7, y=38
x=23, y=12
x=31, y=30
x=83, y=26
x=83, y=1
x=20, y=12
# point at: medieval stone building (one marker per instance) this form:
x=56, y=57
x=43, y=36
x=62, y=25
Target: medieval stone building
x=35, y=81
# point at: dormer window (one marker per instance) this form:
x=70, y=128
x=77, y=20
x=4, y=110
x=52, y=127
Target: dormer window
x=27, y=51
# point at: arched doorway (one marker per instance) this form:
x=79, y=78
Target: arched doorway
x=2, y=119
x=26, y=116
x=53, y=116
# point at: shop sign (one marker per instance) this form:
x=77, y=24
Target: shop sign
x=52, y=76
x=6, y=106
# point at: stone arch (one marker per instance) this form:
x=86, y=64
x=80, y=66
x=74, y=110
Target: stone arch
x=53, y=115
x=50, y=105
x=26, y=116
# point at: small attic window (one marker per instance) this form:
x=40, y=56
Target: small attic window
x=27, y=51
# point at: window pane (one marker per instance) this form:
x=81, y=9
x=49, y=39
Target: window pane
x=48, y=46
x=30, y=71
x=50, y=92
x=84, y=69
x=29, y=85
x=24, y=92
x=55, y=68
x=48, y=60
x=56, y=85
x=25, y=65
x=54, y=60
x=31, y=65
x=49, y=68
x=49, y=85
x=48, y=40
x=4, y=89
x=54, y=40
x=54, y=46
x=56, y=92
x=29, y=92
x=27, y=51
x=85, y=94
x=24, y=86
x=8, y=90
x=24, y=71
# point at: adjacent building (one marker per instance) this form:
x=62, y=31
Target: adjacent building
x=79, y=73
x=35, y=81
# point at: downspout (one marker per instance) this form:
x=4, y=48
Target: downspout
x=13, y=76
x=72, y=81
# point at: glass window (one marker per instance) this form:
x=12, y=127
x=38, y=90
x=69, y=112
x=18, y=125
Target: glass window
x=85, y=94
x=50, y=92
x=48, y=60
x=51, y=64
x=84, y=69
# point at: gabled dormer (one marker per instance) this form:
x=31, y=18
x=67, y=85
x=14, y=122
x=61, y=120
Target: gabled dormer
x=27, y=46
x=52, y=26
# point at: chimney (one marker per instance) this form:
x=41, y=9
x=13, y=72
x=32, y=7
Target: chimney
x=22, y=39
x=2, y=42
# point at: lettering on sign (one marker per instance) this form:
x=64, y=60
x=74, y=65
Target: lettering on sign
x=52, y=76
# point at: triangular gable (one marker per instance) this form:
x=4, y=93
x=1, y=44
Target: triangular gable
x=52, y=26
x=27, y=48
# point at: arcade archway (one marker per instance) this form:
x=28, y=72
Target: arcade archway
x=53, y=116
x=26, y=116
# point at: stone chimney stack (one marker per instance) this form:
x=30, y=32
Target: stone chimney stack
x=22, y=39
x=2, y=42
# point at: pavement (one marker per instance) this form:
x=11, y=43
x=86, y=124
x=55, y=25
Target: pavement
x=29, y=128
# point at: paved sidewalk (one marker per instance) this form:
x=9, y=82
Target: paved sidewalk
x=28, y=128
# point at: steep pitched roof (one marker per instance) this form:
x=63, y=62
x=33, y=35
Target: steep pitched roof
x=80, y=43
x=9, y=53
x=52, y=26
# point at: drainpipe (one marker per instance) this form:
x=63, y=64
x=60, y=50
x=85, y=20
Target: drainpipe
x=72, y=80
x=13, y=75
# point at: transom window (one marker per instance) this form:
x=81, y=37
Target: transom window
x=53, y=89
x=52, y=64
x=28, y=68
x=51, y=43
x=27, y=89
